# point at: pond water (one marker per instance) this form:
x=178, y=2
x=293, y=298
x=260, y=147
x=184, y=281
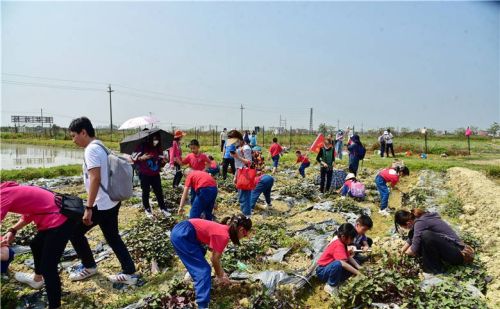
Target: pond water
x=18, y=156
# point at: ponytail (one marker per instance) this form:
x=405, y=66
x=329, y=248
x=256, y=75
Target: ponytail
x=234, y=223
x=403, y=169
x=401, y=217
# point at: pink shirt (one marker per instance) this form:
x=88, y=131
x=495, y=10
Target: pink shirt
x=196, y=162
x=175, y=152
x=212, y=234
x=33, y=203
x=389, y=175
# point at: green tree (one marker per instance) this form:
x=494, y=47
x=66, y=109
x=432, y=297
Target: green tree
x=494, y=129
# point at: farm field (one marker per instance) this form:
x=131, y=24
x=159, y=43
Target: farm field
x=464, y=191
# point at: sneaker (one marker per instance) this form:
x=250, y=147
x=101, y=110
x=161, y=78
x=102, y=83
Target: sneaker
x=166, y=213
x=331, y=290
x=269, y=205
x=187, y=277
x=123, y=278
x=82, y=273
x=149, y=214
x=29, y=279
x=384, y=212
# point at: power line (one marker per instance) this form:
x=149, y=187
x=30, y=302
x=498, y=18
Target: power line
x=30, y=84
x=56, y=79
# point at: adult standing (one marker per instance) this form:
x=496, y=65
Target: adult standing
x=149, y=159
x=339, y=143
x=223, y=139
x=230, y=147
x=246, y=137
x=388, y=143
x=381, y=141
x=175, y=155
x=356, y=153
x=190, y=239
x=253, y=139
x=100, y=210
x=38, y=205
x=432, y=239
x=326, y=159
x=243, y=159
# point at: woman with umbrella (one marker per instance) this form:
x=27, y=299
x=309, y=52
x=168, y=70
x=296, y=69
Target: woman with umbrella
x=148, y=158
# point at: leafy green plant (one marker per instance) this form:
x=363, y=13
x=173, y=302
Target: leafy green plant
x=177, y=295
x=149, y=240
x=299, y=191
x=25, y=235
x=226, y=185
x=446, y=295
x=452, y=206
x=348, y=205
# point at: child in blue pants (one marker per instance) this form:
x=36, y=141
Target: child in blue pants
x=336, y=264
x=205, y=194
x=264, y=185
x=188, y=238
x=304, y=163
x=383, y=177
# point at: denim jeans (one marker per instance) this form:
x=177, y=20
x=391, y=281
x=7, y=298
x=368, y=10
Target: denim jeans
x=333, y=273
x=383, y=190
x=204, y=202
x=108, y=222
x=276, y=160
x=338, y=148
x=302, y=168
x=264, y=186
x=244, y=199
x=192, y=254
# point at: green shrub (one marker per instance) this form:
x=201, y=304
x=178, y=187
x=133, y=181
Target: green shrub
x=149, y=240
x=452, y=206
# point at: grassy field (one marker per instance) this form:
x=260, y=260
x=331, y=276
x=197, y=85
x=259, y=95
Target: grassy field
x=485, y=154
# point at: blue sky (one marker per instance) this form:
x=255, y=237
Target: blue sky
x=402, y=64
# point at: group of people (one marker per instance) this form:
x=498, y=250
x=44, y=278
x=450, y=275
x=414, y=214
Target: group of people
x=429, y=236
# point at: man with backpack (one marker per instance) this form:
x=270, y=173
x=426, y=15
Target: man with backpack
x=356, y=153
x=101, y=209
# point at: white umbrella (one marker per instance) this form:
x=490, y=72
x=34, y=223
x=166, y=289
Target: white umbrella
x=138, y=122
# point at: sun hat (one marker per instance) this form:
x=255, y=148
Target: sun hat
x=179, y=133
x=350, y=176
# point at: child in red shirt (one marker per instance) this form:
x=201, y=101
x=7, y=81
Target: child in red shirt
x=275, y=150
x=304, y=163
x=205, y=194
x=196, y=160
x=189, y=238
x=336, y=264
x=383, y=177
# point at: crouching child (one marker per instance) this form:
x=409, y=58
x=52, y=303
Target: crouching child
x=335, y=264
x=362, y=242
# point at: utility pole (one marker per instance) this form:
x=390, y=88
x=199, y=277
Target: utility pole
x=241, y=121
x=338, y=124
x=311, y=121
x=110, y=112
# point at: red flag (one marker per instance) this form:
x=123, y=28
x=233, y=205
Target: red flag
x=318, y=143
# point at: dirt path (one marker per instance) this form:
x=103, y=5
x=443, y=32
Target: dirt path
x=481, y=197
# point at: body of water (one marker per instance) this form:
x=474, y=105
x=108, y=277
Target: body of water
x=18, y=156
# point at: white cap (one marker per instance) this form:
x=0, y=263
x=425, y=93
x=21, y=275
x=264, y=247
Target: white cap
x=350, y=176
x=385, y=132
